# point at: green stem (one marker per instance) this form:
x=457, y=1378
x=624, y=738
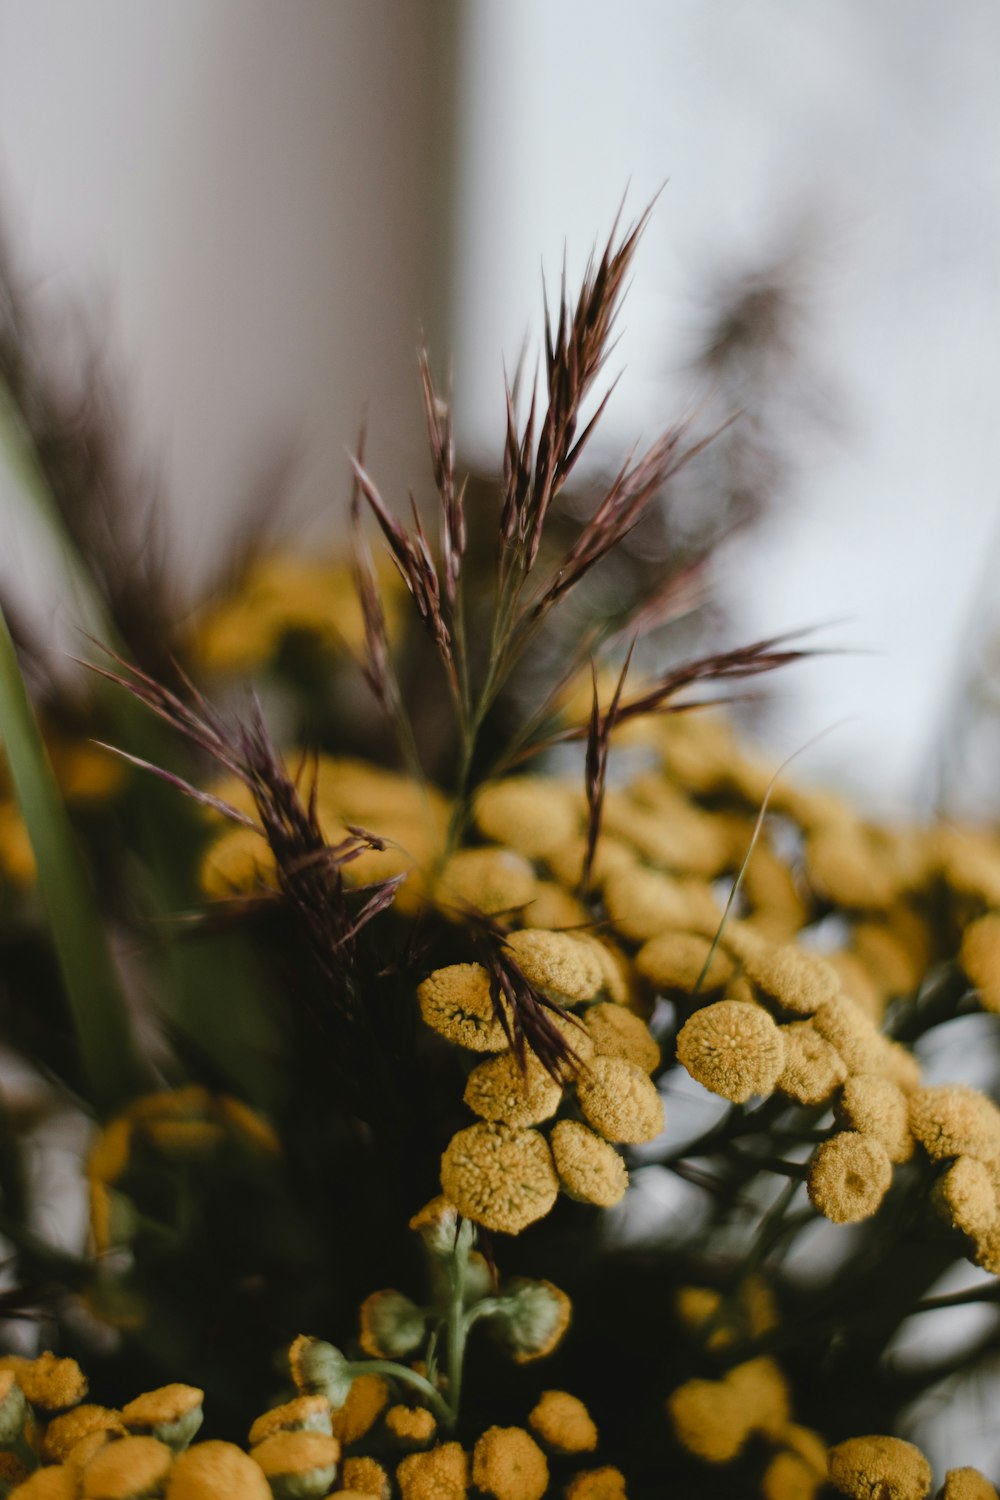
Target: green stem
x=458, y=1327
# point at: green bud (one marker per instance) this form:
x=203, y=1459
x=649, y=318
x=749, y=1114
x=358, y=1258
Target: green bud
x=13, y=1409
x=173, y=1414
x=391, y=1325
x=320, y=1369
x=531, y=1318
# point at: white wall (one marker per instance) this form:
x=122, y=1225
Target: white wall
x=879, y=126
x=245, y=193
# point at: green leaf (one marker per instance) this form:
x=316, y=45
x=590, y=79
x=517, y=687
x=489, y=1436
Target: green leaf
x=96, y=1002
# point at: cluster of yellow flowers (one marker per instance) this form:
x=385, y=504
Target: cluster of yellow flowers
x=174, y=1125
x=86, y=775
x=284, y=594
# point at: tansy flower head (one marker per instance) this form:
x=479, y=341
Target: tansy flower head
x=967, y=1484
x=709, y=1420
x=364, y=1476
x=955, y=1120
x=533, y=814
x=876, y=1107
x=895, y=958
x=303, y=1414
x=566, y=862
x=319, y=1369
x=508, y=1464
x=590, y=1170
x=606, y=1483
x=391, y=1325
x=441, y=1474
x=846, y=1027
x=792, y=977
x=844, y=867
x=366, y=1400
x=868, y=1468
x=612, y=964
x=412, y=1425
x=456, y=1003
x=675, y=961
x=733, y=1049
x=788, y=1476
x=968, y=1194
x=49, y=1484
x=298, y=1464
x=557, y=961
x=849, y=1176
x=502, y=1178
x=619, y=1101
x=618, y=1032
x=552, y=907
x=532, y=1320
x=762, y=1391
x=642, y=903
x=81, y=1453
x=49, y=1383
x=237, y=863
x=563, y=1423
x=173, y=1413
x=813, y=1066
x=979, y=956
x=129, y=1469
x=216, y=1471
x=500, y=1089
x=492, y=881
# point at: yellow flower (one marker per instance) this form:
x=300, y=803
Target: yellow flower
x=49, y=1484
x=709, y=1420
x=733, y=1049
x=612, y=964
x=876, y=1107
x=456, y=1003
x=844, y=867
x=564, y=1423
x=303, y=1414
x=967, y=1484
x=557, y=961
x=502, y=1178
x=597, y=1484
x=63, y=1433
x=534, y=814
x=364, y=1476
x=894, y=958
x=619, y=1101
x=849, y=1176
x=131, y=1467
x=792, y=977
x=298, y=1464
x=173, y=1413
x=675, y=960
x=500, y=1090
x=366, y=1400
x=955, y=1120
x=968, y=1194
x=866, y=1467
x=762, y=1391
x=109, y=1155
x=618, y=1032
x=552, y=907
x=237, y=863
x=441, y=1474
x=50, y=1384
x=216, y=1471
x=491, y=880
x=846, y=1027
x=590, y=1170
x=413, y=1425
x=566, y=861
x=508, y=1464
x=642, y=903
x=980, y=958
x=813, y=1066
x=789, y=1477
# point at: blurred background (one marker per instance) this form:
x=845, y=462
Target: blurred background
x=262, y=212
